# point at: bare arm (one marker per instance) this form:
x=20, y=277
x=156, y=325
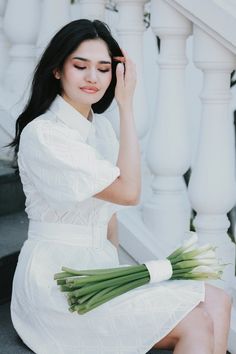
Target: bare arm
x=125, y=190
x=112, y=234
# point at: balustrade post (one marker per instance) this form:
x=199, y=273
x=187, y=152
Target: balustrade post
x=4, y=43
x=21, y=22
x=130, y=29
x=167, y=213
x=212, y=183
x=55, y=14
x=92, y=9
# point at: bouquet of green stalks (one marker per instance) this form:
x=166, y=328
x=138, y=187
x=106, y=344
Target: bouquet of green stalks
x=87, y=289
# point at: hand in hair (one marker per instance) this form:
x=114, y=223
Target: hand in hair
x=126, y=81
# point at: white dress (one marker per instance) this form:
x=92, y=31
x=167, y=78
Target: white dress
x=64, y=159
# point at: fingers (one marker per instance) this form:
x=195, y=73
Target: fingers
x=129, y=66
x=120, y=75
x=121, y=59
x=120, y=70
x=126, y=78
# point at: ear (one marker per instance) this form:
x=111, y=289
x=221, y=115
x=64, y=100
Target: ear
x=56, y=74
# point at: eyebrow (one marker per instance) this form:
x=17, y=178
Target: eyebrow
x=87, y=60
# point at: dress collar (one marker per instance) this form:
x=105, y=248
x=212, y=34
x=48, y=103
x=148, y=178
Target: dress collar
x=71, y=117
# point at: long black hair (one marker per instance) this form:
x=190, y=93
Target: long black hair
x=45, y=86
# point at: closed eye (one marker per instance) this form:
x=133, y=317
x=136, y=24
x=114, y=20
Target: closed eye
x=104, y=70
x=80, y=67
x=84, y=67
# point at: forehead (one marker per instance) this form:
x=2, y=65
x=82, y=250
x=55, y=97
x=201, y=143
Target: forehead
x=92, y=49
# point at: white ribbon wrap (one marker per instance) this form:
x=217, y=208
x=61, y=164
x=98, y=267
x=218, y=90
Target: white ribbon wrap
x=160, y=269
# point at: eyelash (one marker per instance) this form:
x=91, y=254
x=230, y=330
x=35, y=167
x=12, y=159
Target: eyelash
x=84, y=67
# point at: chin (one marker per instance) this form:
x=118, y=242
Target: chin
x=93, y=100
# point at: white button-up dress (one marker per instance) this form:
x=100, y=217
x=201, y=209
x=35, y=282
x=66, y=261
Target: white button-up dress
x=64, y=160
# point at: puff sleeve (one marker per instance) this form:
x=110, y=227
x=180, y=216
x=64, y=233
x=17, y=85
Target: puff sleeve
x=62, y=168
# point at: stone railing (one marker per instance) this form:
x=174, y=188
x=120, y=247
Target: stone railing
x=177, y=130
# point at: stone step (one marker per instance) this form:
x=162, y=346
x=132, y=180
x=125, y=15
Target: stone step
x=10, y=341
x=13, y=232
x=12, y=198
x=13, y=224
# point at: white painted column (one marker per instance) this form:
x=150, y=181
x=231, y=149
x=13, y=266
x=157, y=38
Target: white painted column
x=55, y=14
x=212, y=183
x=21, y=23
x=167, y=213
x=92, y=9
x=4, y=43
x=130, y=29
x=133, y=234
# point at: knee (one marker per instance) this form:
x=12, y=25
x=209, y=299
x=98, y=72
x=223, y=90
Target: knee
x=197, y=325
x=204, y=323
x=226, y=303
x=226, y=300
x=203, y=330
x=222, y=299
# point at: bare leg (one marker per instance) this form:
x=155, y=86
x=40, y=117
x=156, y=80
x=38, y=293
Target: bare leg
x=193, y=335
x=211, y=318
x=218, y=304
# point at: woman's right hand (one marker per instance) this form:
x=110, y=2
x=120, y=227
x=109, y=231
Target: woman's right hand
x=126, y=82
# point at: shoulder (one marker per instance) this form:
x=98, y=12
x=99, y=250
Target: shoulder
x=43, y=126
x=38, y=124
x=43, y=131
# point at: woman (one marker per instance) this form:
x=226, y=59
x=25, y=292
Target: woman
x=75, y=175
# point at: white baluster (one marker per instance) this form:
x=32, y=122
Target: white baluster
x=212, y=182
x=55, y=14
x=4, y=44
x=21, y=24
x=92, y=9
x=130, y=29
x=167, y=213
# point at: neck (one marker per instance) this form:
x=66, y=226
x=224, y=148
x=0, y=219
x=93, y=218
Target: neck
x=82, y=109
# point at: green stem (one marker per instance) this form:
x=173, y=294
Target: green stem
x=80, y=281
x=196, y=276
x=84, y=298
x=62, y=275
x=100, y=295
x=116, y=292
x=175, y=254
x=182, y=271
x=189, y=255
x=86, y=289
x=100, y=271
x=186, y=264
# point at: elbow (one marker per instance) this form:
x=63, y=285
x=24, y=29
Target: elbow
x=132, y=199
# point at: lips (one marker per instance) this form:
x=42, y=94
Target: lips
x=89, y=89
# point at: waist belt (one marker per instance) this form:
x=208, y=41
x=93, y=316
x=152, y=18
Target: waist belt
x=81, y=235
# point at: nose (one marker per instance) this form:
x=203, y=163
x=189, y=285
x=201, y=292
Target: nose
x=91, y=75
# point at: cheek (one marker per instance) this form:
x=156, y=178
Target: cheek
x=107, y=80
x=72, y=75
